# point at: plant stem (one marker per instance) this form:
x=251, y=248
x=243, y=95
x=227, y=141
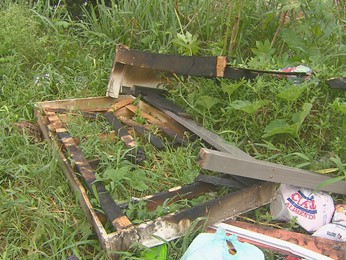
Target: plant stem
x=282, y=22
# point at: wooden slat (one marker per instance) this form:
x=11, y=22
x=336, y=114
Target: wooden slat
x=123, y=133
x=143, y=131
x=92, y=104
x=120, y=104
x=262, y=170
x=111, y=209
x=188, y=191
x=161, y=123
x=230, y=205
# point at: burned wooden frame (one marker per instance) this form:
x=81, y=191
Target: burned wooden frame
x=81, y=176
x=141, y=73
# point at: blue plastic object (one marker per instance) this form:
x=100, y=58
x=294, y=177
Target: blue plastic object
x=214, y=246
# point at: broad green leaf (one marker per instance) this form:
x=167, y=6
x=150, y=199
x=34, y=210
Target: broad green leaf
x=293, y=40
x=62, y=24
x=230, y=87
x=291, y=93
x=280, y=126
x=139, y=184
x=299, y=117
x=247, y=106
x=263, y=48
x=339, y=106
x=138, y=179
x=207, y=102
x=117, y=174
x=156, y=253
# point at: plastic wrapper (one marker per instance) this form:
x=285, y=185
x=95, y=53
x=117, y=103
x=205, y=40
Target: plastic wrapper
x=339, y=213
x=300, y=68
x=215, y=246
x=311, y=209
x=334, y=231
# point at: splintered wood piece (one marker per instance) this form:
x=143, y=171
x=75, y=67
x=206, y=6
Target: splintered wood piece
x=267, y=171
x=120, y=104
x=111, y=209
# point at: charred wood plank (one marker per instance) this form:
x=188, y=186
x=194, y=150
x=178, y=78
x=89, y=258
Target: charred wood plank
x=214, y=140
x=120, y=104
x=262, y=170
x=229, y=205
x=177, y=224
x=178, y=140
x=219, y=181
x=137, y=153
x=140, y=129
x=188, y=191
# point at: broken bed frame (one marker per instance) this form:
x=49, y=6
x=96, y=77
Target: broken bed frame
x=131, y=69
x=125, y=233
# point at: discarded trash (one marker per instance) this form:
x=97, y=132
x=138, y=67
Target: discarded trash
x=337, y=229
x=312, y=209
x=54, y=121
x=284, y=241
x=300, y=68
x=215, y=246
x=339, y=83
x=334, y=231
x=339, y=213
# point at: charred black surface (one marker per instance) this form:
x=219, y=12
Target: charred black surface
x=185, y=192
x=219, y=181
x=137, y=154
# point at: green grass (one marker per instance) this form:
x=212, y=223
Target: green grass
x=47, y=55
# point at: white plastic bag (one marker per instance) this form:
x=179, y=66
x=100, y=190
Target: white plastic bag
x=334, y=231
x=312, y=209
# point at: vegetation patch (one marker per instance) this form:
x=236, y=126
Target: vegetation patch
x=47, y=53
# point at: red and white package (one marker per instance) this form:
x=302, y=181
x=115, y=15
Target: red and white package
x=312, y=209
